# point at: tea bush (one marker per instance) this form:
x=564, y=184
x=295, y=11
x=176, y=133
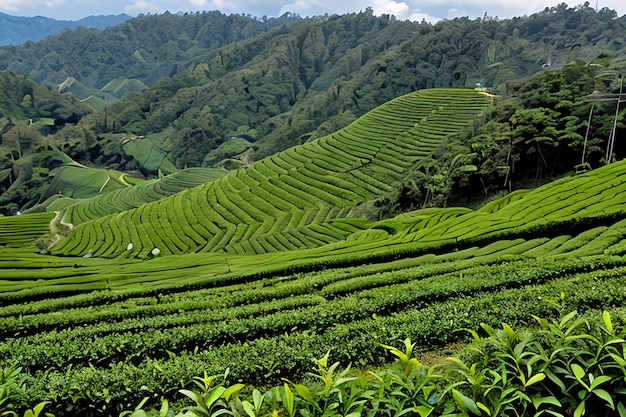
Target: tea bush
x=568, y=365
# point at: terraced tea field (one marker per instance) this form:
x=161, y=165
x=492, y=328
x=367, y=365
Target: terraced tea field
x=264, y=269
x=285, y=201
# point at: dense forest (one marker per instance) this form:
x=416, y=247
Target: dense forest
x=205, y=89
x=148, y=47
x=15, y=30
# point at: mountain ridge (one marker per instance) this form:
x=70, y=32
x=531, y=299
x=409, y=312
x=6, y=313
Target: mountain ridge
x=213, y=77
x=16, y=30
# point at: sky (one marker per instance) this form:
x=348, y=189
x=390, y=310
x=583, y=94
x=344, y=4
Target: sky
x=416, y=10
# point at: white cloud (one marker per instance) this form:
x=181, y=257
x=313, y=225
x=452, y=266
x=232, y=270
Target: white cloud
x=417, y=16
x=454, y=12
x=223, y=5
x=300, y=6
x=10, y=6
x=416, y=10
x=142, y=6
x=400, y=10
x=31, y=7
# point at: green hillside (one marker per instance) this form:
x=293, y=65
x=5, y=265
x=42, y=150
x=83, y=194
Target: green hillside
x=287, y=200
x=96, y=98
x=226, y=91
x=222, y=203
x=321, y=74
x=22, y=99
x=578, y=216
x=136, y=48
x=102, y=203
x=261, y=270
x=119, y=86
x=266, y=316
x=211, y=75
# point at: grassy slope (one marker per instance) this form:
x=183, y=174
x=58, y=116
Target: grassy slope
x=118, y=200
x=114, y=320
x=423, y=275
x=287, y=201
x=262, y=219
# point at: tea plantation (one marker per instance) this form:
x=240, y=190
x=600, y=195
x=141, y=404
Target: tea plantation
x=258, y=273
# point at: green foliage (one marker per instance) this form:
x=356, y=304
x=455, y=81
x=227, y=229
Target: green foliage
x=429, y=183
x=135, y=193
x=210, y=74
x=541, y=127
x=225, y=151
x=11, y=388
x=120, y=86
x=264, y=269
x=82, y=182
x=19, y=230
x=241, y=215
x=23, y=99
x=91, y=96
x=129, y=336
x=152, y=152
x=565, y=367
x=145, y=48
x=30, y=114
x=30, y=177
x=568, y=365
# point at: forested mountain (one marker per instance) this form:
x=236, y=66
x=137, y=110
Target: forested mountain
x=321, y=75
x=15, y=30
x=228, y=90
x=147, y=47
x=299, y=82
x=30, y=115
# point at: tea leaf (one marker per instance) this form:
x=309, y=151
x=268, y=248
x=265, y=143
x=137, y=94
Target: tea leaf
x=580, y=410
x=567, y=318
x=247, y=407
x=323, y=362
x=508, y=330
x=490, y=331
x=165, y=408
x=579, y=373
x=193, y=395
x=606, y=318
x=474, y=334
x=304, y=393
x=424, y=410
x=606, y=397
x=216, y=393
x=258, y=398
x=465, y=402
x=484, y=408
x=288, y=400
x=598, y=381
x=535, y=378
x=542, y=322
x=539, y=400
x=232, y=390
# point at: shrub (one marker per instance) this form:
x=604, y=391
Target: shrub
x=567, y=366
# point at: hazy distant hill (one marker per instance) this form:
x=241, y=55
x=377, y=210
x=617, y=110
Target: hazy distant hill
x=16, y=30
x=146, y=48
